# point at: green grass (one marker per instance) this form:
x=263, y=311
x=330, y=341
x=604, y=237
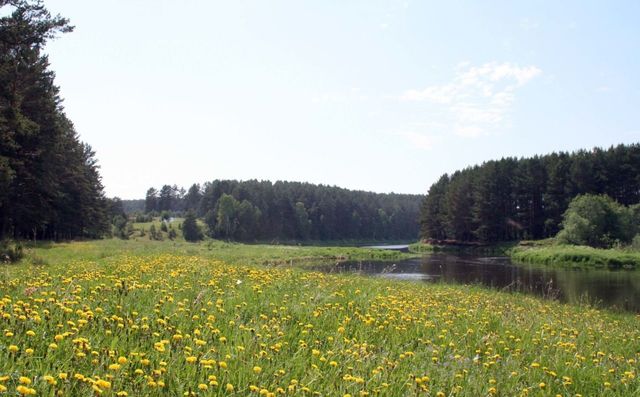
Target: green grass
x=167, y=319
x=99, y=250
x=571, y=255
x=493, y=249
x=420, y=247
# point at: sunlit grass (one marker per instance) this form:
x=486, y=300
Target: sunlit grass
x=571, y=255
x=170, y=324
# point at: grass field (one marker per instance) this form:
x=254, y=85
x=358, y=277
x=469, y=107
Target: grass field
x=99, y=250
x=163, y=319
x=572, y=255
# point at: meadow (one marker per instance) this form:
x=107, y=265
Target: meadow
x=159, y=319
x=576, y=256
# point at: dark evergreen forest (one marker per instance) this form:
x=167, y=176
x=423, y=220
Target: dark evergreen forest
x=262, y=210
x=49, y=182
x=511, y=198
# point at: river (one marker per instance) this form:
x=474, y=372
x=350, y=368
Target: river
x=616, y=289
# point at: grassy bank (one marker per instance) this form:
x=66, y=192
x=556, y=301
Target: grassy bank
x=570, y=255
x=494, y=249
x=161, y=324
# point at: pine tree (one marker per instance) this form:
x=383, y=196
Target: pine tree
x=190, y=229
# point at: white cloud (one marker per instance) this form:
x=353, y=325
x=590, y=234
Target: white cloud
x=479, y=98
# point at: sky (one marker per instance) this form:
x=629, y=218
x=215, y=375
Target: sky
x=382, y=96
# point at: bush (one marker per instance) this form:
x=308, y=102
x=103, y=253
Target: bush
x=143, y=218
x=172, y=234
x=154, y=234
x=597, y=221
x=122, y=229
x=10, y=251
x=635, y=244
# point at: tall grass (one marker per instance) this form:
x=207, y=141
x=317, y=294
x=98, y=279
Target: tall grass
x=159, y=324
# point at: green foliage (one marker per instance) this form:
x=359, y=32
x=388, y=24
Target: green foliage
x=190, y=229
x=285, y=211
x=10, y=251
x=121, y=227
x=420, y=247
x=597, y=221
x=513, y=199
x=226, y=218
x=49, y=182
x=143, y=218
x=172, y=234
x=154, y=234
x=635, y=243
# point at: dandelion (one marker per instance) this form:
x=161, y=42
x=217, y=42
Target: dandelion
x=25, y=391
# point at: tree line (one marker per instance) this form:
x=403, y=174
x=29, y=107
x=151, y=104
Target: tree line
x=525, y=198
x=261, y=210
x=49, y=181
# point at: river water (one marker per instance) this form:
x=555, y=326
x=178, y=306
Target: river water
x=616, y=289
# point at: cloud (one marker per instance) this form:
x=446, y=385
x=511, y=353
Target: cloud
x=479, y=98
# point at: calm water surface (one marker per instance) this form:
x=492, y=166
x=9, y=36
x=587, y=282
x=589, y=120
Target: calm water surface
x=604, y=288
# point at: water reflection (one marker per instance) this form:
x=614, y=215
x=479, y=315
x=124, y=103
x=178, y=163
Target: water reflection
x=605, y=288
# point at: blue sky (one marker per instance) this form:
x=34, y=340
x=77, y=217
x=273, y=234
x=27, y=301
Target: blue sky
x=373, y=95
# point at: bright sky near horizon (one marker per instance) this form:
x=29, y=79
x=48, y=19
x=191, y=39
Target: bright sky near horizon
x=371, y=95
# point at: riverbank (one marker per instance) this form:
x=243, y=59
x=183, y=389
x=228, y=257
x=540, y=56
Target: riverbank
x=489, y=249
x=545, y=252
x=571, y=255
x=170, y=323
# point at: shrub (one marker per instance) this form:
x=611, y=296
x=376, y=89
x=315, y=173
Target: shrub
x=597, y=221
x=143, y=218
x=10, y=251
x=172, y=234
x=154, y=234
